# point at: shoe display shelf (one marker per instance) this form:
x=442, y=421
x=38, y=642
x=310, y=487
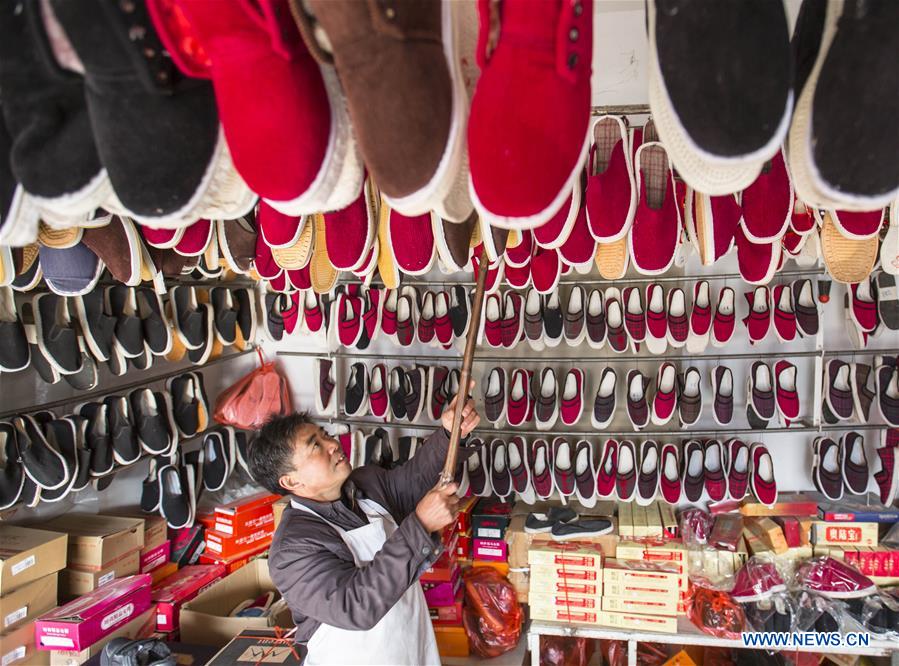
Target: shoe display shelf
x=687, y=634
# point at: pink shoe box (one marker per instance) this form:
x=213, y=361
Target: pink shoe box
x=450, y=615
x=153, y=558
x=493, y=550
x=443, y=594
x=180, y=587
x=84, y=621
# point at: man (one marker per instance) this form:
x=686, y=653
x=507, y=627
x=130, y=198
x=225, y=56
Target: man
x=352, y=543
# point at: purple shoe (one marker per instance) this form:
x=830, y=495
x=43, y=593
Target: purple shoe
x=827, y=472
x=838, y=389
x=546, y=406
x=694, y=467
x=478, y=481
x=596, y=320
x=637, y=408
x=634, y=314
x=738, y=469
x=761, y=393
x=604, y=402
x=805, y=307
x=520, y=470
x=626, y=471
x=513, y=319
x=723, y=394
x=713, y=471
x=495, y=396
x=563, y=467
x=678, y=320
x=541, y=469
x=615, y=332
x=886, y=382
x=855, y=463
x=584, y=474
x=648, y=477
x=500, y=478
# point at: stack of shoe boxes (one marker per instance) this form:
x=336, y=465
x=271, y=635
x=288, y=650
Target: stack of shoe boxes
x=182, y=586
x=657, y=520
x=489, y=520
x=851, y=531
x=642, y=595
x=101, y=549
x=238, y=531
x=566, y=581
x=672, y=558
x=442, y=585
x=30, y=560
x=154, y=557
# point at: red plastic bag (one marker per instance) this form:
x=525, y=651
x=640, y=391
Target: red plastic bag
x=254, y=398
x=492, y=614
x=565, y=651
x=715, y=612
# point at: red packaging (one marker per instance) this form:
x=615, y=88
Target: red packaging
x=443, y=593
x=246, y=516
x=87, y=619
x=463, y=546
x=791, y=529
x=851, y=556
x=866, y=560
x=234, y=562
x=443, y=569
x=448, y=615
x=224, y=546
x=494, y=550
x=182, y=586
x=894, y=563
x=463, y=520
x=155, y=557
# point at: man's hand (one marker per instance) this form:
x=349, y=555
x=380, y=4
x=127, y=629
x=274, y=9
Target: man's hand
x=439, y=507
x=470, y=417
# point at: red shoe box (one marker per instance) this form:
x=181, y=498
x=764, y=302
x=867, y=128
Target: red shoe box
x=463, y=520
x=246, y=516
x=183, y=586
x=443, y=569
x=237, y=561
x=155, y=557
x=224, y=546
x=447, y=616
x=494, y=550
x=443, y=593
x=463, y=546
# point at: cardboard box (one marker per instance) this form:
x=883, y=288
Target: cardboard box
x=84, y=621
x=95, y=540
x=653, y=551
x=521, y=581
x=670, y=527
x=637, y=577
x=640, y=605
x=626, y=520
x=204, y=619
x=490, y=518
x=140, y=627
x=571, y=554
x=443, y=593
x=451, y=641
x=580, y=589
x=76, y=582
x=255, y=646
x=566, y=615
x=447, y=614
x=187, y=544
x=224, y=546
x=788, y=504
x=18, y=647
x=494, y=550
x=547, y=604
x=155, y=528
x=27, y=554
x=155, y=557
x=637, y=622
x=769, y=532
x=183, y=586
x=463, y=519
x=791, y=529
x=844, y=534
x=28, y=602
x=278, y=511
x=546, y=574
x=163, y=572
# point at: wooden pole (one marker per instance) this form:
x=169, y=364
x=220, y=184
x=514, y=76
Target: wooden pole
x=465, y=373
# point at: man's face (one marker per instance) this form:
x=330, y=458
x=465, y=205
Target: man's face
x=319, y=465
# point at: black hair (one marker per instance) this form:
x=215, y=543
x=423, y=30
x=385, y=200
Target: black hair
x=271, y=453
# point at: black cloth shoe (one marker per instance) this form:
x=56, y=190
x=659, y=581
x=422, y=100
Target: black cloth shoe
x=225, y=315
x=122, y=434
x=43, y=464
x=189, y=321
x=553, y=320
x=218, y=458
x=86, y=377
x=538, y=523
x=150, y=491
x=151, y=421
x=581, y=528
x=459, y=311
x=97, y=324
x=356, y=395
x=83, y=476
x=154, y=324
x=53, y=155
x=177, y=502
x=14, y=352
x=201, y=354
x=397, y=387
x=121, y=302
x=12, y=476
x=156, y=130
x=416, y=381
x=62, y=434
x=245, y=303
x=56, y=338
x=274, y=320
x=185, y=406
x=97, y=439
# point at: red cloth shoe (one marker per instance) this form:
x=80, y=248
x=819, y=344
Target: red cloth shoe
x=546, y=269
x=580, y=248
x=711, y=223
x=265, y=80
x=784, y=315
x=738, y=469
x=443, y=325
x=700, y=318
x=757, y=261
x=678, y=324
x=493, y=320
x=571, y=397
x=802, y=221
x=513, y=319
x=670, y=478
x=520, y=255
x=278, y=229
x=858, y=225
x=350, y=231
x=768, y=202
x=608, y=466
x=634, y=313
x=537, y=74
x=664, y=402
x=553, y=233
x=762, y=481
x=426, y=319
x=758, y=321
x=611, y=185
x=656, y=319
x=653, y=238
x=785, y=391
x=714, y=473
x=519, y=400
x=725, y=318
x=863, y=306
x=412, y=242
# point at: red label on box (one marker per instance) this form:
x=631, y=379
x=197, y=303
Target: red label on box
x=225, y=546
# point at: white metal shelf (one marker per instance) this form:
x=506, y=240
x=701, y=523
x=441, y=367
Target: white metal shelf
x=687, y=634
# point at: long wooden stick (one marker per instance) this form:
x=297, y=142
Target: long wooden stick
x=474, y=326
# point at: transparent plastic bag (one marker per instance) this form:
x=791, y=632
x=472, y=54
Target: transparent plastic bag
x=492, y=614
x=254, y=398
x=695, y=527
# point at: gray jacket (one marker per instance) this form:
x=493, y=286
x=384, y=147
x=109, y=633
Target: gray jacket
x=314, y=570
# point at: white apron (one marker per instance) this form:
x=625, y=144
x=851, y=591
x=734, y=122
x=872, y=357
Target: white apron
x=403, y=636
